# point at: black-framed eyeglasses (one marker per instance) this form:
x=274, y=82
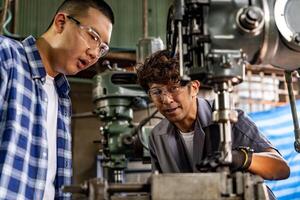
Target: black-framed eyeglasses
x=92, y=38
x=172, y=89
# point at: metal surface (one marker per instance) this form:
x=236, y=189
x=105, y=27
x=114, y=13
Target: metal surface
x=188, y=186
x=228, y=35
x=286, y=14
x=199, y=186
x=208, y=186
x=221, y=21
x=99, y=189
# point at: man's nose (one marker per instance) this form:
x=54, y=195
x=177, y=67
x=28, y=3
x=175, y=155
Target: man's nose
x=93, y=53
x=166, y=97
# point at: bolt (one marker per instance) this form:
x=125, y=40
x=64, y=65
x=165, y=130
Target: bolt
x=252, y=14
x=297, y=38
x=251, y=17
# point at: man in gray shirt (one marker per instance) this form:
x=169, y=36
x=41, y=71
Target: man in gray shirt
x=179, y=143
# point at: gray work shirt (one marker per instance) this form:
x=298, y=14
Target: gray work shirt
x=169, y=153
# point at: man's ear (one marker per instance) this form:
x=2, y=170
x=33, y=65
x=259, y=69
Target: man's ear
x=195, y=85
x=59, y=22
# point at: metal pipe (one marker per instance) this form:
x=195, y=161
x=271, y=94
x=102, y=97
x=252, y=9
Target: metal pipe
x=180, y=48
x=84, y=115
x=145, y=18
x=289, y=82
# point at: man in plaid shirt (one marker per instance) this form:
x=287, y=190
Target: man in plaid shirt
x=35, y=139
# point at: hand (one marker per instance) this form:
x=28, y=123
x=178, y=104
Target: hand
x=241, y=159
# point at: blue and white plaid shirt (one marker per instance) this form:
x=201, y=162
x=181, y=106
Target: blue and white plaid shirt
x=23, y=141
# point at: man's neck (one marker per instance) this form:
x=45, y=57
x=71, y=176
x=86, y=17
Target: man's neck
x=185, y=127
x=44, y=49
x=188, y=124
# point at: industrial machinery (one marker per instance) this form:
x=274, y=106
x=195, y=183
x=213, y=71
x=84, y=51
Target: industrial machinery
x=190, y=186
x=215, y=40
x=116, y=95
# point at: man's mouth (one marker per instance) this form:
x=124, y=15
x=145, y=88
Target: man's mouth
x=170, y=110
x=83, y=63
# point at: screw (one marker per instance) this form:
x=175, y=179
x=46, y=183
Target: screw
x=297, y=38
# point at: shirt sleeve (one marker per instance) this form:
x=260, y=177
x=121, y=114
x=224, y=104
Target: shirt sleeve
x=3, y=84
x=5, y=65
x=246, y=133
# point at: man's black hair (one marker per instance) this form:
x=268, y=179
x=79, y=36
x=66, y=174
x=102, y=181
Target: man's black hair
x=78, y=7
x=101, y=5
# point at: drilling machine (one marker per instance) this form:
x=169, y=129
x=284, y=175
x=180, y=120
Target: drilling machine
x=115, y=96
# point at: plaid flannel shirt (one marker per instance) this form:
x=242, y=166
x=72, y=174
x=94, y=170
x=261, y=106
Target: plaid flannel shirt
x=23, y=141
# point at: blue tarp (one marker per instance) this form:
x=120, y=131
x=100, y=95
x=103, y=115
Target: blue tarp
x=277, y=125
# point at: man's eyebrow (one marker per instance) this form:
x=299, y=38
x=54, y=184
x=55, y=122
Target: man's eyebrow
x=154, y=88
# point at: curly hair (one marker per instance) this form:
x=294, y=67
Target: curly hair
x=161, y=68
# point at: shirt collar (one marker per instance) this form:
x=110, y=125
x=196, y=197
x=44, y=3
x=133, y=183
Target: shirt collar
x=37, y=68
x=34, y=59
x=62, y=84
x=205, y=109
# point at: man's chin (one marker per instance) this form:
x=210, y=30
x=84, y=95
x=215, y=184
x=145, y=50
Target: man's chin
x=69, y=73
x=73, y=71
x=173, y=114
x=173, y=119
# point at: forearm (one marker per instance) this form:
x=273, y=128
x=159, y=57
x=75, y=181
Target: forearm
x=269, y=165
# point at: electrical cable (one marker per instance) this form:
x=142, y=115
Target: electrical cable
x=5, y=24
x=138, y=131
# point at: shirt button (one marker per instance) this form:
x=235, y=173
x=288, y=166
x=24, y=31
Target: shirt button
x=44, y=154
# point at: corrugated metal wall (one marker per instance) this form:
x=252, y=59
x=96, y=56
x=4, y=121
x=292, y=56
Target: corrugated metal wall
x=128, y=28
x=34, y=16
